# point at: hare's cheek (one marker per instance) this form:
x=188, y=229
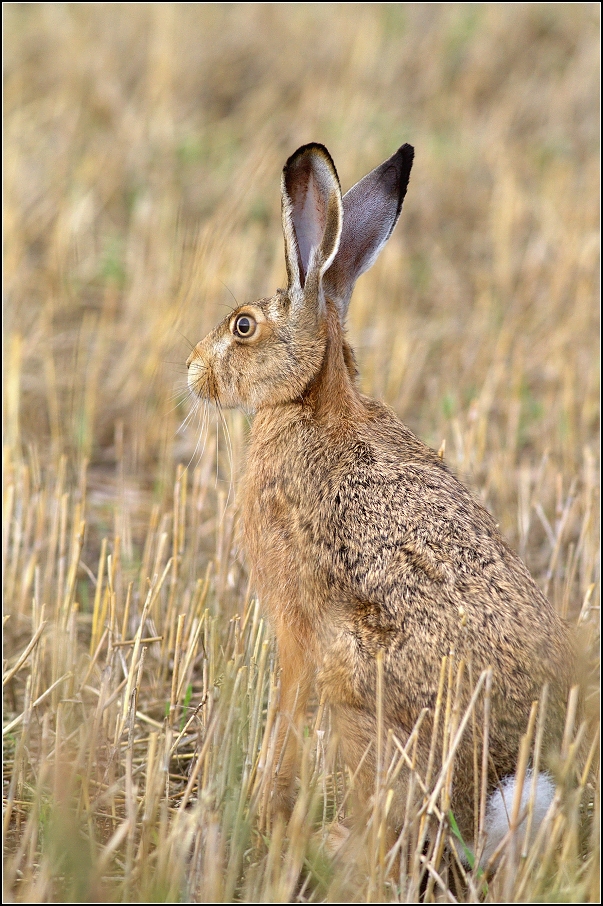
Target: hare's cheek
x=237, y=390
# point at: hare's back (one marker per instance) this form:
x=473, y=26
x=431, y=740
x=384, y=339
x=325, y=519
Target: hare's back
x=420, y=566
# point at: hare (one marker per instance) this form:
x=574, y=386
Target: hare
x=359, y=538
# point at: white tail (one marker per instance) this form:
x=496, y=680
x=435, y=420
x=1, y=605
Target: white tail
x=500, y=807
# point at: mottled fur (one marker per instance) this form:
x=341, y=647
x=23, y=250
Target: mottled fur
x=359, y=537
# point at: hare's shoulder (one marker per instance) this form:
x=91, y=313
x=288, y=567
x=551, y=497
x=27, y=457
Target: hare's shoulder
x=389, y=479
x=399, y=522
x=416, y=555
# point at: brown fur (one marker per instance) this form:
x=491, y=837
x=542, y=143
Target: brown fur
x=361, y=540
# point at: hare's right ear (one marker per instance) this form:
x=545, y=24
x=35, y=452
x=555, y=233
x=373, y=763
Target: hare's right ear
x=312, y=213
x=370, y=212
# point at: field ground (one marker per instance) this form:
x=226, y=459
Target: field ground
x=143, y=145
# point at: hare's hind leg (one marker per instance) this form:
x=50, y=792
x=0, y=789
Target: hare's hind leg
x=356, y=731
x=373, y=769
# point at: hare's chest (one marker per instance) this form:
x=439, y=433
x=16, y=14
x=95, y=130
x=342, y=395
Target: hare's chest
x=278, y=525
x=283, y=527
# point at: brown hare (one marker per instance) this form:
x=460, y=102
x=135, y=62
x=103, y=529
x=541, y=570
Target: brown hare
x=359, y=538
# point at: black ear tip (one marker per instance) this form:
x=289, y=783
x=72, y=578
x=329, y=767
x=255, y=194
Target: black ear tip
x=405, y=155
x=398, y=169
x=308, y=151
x=310, y=146
x=404, y=158
x=309, y=158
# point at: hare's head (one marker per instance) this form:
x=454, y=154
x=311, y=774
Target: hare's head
x=267, y=352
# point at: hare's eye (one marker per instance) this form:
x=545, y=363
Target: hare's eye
x=244, y=326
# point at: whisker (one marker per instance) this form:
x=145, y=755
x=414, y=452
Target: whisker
x=217, y=453
x=179, y=397
x=179, y=390
x=202, y=433
x=188, y=417
x=229, y=451
x=227, y=288
x=186, y=339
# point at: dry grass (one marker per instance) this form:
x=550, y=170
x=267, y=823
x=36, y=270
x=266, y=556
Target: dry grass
x=142, y=151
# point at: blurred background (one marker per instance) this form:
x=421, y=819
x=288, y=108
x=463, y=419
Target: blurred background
x=143, y=147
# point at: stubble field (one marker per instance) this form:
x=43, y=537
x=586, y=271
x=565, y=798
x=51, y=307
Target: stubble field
x=143, y=146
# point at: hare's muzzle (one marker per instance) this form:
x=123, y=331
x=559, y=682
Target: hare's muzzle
x=208, y=364
x=199, y=374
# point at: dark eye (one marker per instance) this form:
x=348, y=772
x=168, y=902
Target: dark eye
x=244, y=326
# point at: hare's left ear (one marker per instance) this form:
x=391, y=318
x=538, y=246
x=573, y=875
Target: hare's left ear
x=370, y=212
x=312, y=219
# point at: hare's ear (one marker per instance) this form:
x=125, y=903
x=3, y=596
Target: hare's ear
x=312, y=218
x=370, y=212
